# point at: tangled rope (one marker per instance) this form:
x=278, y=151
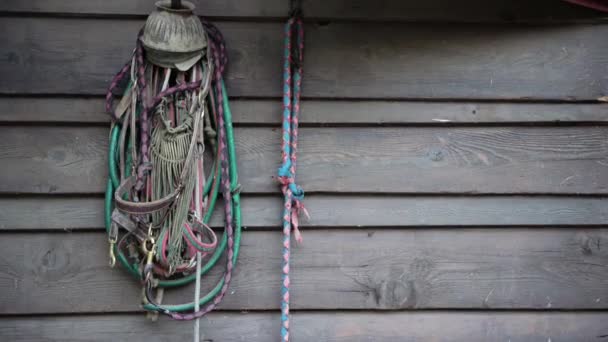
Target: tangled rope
x=293, y=194
x=163, y=201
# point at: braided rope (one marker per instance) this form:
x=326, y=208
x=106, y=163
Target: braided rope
x=118, y=78
x=293, y=194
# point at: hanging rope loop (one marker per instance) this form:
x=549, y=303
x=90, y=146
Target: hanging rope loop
x=293, y=194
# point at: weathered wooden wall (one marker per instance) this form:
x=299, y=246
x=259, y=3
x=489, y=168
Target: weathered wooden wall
x=454, y=153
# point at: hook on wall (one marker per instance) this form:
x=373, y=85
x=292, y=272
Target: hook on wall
x=295, y=8
x=176, y=4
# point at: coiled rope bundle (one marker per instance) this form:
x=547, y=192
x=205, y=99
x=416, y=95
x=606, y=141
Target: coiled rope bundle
x=158, y=198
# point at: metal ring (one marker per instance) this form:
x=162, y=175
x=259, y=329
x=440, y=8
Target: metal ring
x=144, y=244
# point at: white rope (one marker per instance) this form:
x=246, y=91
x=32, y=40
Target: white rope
x=197, y=291
x=199, y=213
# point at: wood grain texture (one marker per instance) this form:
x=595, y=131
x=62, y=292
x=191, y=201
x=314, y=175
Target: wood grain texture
x=53, y=110
x=58, y=213
x=421, y=245
x=315, y=112
x=426, y=113
x=391, y=60
x=38, y=53
x=46, y=159
x=535, y=268
x=510, y=160
x=318, y=326
x=411, y=10
x=438, y=10
x=214, y=8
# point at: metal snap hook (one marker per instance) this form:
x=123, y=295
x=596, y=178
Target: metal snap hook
x=148, y=247
x=112, y=256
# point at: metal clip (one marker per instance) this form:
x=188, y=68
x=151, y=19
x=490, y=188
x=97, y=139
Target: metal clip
x=112, y=238
x=148, y=246
x=112, y=256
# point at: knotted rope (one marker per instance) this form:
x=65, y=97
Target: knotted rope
x=293, y=194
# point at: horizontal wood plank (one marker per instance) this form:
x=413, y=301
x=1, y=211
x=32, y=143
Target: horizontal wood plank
x=58, y=213
x=426, y=113
x=53, y=110
x=318, y=326
x=513, y=160
x=430, y=10
x=391, y=61
x=261, y=112
x=536, y=268
x=439, y=10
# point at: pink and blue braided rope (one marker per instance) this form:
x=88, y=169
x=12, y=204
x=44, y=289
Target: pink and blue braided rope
x=292, y=76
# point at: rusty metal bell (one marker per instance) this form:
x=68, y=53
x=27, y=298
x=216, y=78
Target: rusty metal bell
x=174, y=37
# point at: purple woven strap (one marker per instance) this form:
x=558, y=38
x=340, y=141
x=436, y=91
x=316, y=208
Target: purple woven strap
x=120, y=76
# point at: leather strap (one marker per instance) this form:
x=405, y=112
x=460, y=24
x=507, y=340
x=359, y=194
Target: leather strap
x=139, y=208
